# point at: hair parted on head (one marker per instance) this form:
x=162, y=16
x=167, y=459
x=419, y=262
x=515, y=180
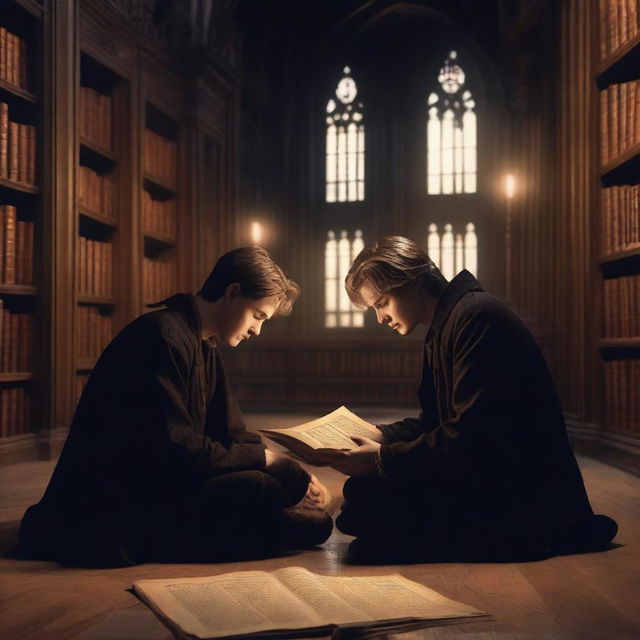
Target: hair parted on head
x=391, y=262
x=256, y=273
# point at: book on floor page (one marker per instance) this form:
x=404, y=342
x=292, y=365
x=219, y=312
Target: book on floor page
x=330, y=432
x=294, y=602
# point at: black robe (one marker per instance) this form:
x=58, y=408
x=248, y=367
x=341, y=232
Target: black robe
x=154, y=442
x=486, y=470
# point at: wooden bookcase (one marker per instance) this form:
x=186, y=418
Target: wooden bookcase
x=160, y=204
x=102, y=101
x=21, y=104
x=618, y=79
x=120, y=180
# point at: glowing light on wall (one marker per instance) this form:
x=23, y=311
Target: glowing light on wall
x=509, y=186
x=257, y=233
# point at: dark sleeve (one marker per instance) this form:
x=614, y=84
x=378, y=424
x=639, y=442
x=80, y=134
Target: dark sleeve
x=411, y=428
x=403, y=430
x=236, y=428
x=481, y=382
x=169, y=430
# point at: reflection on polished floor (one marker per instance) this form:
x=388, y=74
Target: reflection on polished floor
x=586, y=597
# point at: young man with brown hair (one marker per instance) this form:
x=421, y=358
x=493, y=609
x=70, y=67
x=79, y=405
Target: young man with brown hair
x=486, y=472
x=158, y=465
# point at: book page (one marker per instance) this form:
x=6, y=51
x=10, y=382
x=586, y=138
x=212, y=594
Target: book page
x=348, y=600
x=331, y=431
x=243, y=602
x=393, y=597
x=309, y=587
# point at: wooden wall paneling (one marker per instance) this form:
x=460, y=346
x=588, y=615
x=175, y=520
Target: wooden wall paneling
x=60, y=236
x=595, y=328
x=213, y=137
x=324, y=373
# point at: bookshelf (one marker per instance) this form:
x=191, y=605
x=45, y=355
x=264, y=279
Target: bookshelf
x=160, y=196
x=20, y=212
x=617, y=76
x=99, y=171
x=101, y=99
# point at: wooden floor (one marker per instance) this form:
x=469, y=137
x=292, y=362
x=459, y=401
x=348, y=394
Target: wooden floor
x=593, y=596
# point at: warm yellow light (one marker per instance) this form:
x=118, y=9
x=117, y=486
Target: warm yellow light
x=256, y=233
x=509, y=186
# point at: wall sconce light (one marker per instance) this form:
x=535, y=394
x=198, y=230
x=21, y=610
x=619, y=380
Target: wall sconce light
x=509, y=186
x=257, y=233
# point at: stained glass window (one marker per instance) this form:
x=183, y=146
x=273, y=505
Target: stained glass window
x=345, y=143
x=338, y=257
x=451, y=133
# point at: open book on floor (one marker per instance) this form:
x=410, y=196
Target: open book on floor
x=331, y=431
x=294, y=602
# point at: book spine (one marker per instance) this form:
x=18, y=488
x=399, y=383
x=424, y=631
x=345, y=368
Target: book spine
x=3, y=218
x=4, y=140
x=15, y=63
x=24, y=80
x=9, y=65
x=613, y=25
x=622, y=19
x=3, y=53
x=20, y=238
x=607, y=308
x=109, y=269
x=5, y=413
x=6, y=340
x=633, y=18
x=90, y=267
x=622, y=124
x=9, y=244
x=102, y=268
x=83, y=265
x=13, y=342
x=31, y=155
x=107, y=123
x=14, y=142
x=636, y=114
x=2, y=341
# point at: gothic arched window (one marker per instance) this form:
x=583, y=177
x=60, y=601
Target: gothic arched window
x=451, y=133
x=452, y=251
x=345, y=143
x=338, y=257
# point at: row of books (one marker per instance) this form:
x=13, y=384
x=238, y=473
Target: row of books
x=618, y=24
x=95, y=116
x=17, y=149
x=158, y=279
x=620, y=218
x=16, y=247
x=95, y=268
x=16, y=331
x=622, y=400
x=14, y=411
x=619, y=119
x=622, y=307
x=13, y=59
x=159, y=216
x=79, y=385
x=93, y=332
x=160, y=156
x=95, y=191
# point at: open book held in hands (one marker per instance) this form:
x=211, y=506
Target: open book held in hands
x=330, y=432
x=294, y=602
